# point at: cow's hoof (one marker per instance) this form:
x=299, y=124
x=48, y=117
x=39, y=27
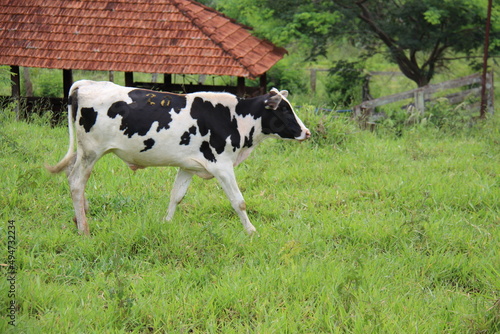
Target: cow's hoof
x=252, y=232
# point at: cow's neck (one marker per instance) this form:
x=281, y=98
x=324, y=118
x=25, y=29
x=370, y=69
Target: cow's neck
x=251, y=110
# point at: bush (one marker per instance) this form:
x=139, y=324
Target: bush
x=288, y=75
x=344, y=83
x=47, y=83
x=327, y=128
x=439, y=115
x=450, y=118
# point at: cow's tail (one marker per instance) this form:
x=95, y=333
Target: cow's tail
x=71, y=154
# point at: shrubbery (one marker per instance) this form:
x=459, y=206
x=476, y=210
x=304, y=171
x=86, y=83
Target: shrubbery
x=344, y=83
x=327, y=128
x=49, y=83
x=287, y=75
x=440, y=115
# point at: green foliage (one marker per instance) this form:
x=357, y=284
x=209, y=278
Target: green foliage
x=5, y=75
x=41, y=112
x=420, y=36
x=345, y=82
x=49, y=82
x=7, y=112
x=286, y=75
x=433, y=31
x=434, y=16
x=328, y=128
x=254, y=14
x=449, y=118
x=359, y=233
x=284, y=22
x=440, y=116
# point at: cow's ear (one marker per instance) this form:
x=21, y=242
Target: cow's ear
x=274, y=100
x=284, y=93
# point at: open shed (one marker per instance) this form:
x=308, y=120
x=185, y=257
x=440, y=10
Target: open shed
x=160, y=36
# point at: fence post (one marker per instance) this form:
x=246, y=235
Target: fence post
x=16, y=89
x=356, y=111
x=490, y=107
x=313, y=79
x=129, y=79
x=420, y=100
x=67, y=82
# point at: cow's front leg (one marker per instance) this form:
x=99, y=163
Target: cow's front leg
x=227, y=180
x=180, y=188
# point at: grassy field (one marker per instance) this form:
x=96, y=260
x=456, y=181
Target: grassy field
x=359, y=232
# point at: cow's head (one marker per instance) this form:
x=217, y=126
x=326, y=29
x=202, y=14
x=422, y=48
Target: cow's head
x=280, y=120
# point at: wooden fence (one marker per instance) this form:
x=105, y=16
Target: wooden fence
x=422, y=95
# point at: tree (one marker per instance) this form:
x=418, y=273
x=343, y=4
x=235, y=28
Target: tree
x=420, y=36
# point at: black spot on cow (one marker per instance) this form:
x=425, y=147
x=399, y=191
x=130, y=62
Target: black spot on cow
x=88, y=117
x=207, y=152
x=186, y=136
x=249, y=140
x=148, y=143
x=73, y=101
x=218, y=121
x=146, y=108
x=251, y=106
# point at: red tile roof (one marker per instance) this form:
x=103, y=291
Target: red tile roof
x=152, y=36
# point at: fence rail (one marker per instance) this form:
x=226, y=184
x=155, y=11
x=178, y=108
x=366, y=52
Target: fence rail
x=421, y=94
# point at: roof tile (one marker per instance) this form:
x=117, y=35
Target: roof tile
x=164, y=36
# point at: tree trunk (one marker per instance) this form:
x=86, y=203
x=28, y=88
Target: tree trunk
x=422, y=81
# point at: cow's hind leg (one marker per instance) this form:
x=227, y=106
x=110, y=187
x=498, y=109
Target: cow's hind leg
x=227, y=180
x=179, y=189
x=78, y=177
x=69, y=168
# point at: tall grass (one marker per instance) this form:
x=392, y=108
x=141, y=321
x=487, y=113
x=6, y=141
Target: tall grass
x=359, y=232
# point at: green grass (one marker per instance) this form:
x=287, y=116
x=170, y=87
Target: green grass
x=359, y=232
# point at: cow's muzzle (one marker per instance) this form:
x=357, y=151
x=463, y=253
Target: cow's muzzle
x=306, y=134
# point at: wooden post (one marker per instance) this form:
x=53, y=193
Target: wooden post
x=167, y=82
x=154, y=77
x=201, y=79
x=490, y=107
x=129, y=79
x=240, y=86
x=313, y=80
x=365, y=93
x=167, y=79
x=16, y=89
x=263, y=83
x=484, y=103
x=28, y=85
x=67, y=82
x=356, y=111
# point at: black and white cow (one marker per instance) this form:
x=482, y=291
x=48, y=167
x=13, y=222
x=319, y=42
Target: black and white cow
x=204, y=134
